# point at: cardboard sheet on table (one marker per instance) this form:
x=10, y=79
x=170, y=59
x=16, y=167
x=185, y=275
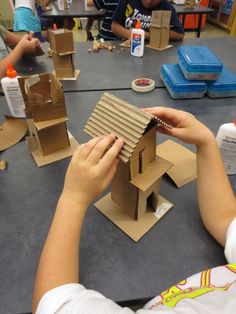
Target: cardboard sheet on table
x=184, y=168
x=135, y=229
x=11, y=132
x=42, y=160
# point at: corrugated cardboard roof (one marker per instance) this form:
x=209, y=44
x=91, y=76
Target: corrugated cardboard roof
x=113, y=115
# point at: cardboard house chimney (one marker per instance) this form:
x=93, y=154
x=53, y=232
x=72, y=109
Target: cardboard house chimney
x=62, y=48
x=134, y=196
x=160, y=29
x=46, y=116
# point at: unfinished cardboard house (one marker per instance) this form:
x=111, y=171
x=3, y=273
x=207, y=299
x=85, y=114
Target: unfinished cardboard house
x=46, y=115
x=62, y=50
x=160, y=28
x=135, y=187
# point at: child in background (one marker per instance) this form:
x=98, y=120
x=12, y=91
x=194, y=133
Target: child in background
x=42, y=6
x=26, y=19
x=109, y=6
x=129, y=11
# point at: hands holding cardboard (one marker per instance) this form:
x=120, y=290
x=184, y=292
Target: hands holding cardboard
x=28, y=44
x=91, y=169
x=184, y=126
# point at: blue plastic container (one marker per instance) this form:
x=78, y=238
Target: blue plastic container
x=225, y=86
x=199, y=63
x=178, y=86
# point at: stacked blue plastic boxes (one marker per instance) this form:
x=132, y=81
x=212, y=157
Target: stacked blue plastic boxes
x=199, y=71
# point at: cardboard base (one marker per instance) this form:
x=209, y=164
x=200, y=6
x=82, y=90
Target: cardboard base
x=74, y=78
x=160, y=49
x=135, y=229
x=42, y=160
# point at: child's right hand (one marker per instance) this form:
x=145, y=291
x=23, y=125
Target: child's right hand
x=28, y=44
x=91, y=169
x=184, y=126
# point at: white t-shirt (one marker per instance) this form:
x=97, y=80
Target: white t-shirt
x=26, y=4
x=212, y=291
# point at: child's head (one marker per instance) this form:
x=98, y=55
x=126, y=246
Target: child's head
x=150, y=3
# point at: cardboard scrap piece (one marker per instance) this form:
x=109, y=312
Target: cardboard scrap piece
x=76, y=75
x=159, y=49
x=135, y=229
x=125, y=44
x=3, y=164
x=42, y=160
x=11, y=132
x=184, y=168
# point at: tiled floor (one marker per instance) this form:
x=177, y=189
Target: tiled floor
x=208, y=31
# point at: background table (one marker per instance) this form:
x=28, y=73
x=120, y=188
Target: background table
x=196, y=10
x=76, y=9
x=116, y=70
x=110, y=261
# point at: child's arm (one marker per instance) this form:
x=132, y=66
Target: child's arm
x=24, y=45
x=90, y=171
x=120, y=31
x=176, y=36
x=216, y=199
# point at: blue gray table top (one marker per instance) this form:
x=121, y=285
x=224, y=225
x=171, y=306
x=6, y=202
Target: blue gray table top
x=116, y=70
x=110, y=261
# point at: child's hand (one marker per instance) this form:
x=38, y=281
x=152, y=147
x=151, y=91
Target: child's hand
x=28, y=44
x=184, y=126
x=91, y=169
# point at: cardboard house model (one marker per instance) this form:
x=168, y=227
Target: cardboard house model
x=160, y=28
x=62, y=48
x=134, y=198
x=46, y=118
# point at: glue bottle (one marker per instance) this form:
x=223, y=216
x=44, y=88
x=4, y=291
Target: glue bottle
x=61, y=5
x=226, y=139
x=13, y=93
x=137, y=40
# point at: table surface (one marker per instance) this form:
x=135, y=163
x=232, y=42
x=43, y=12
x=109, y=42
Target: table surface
x=76, y=9
x=116, y=70
x=110, y=261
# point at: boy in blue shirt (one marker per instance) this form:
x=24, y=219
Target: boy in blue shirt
x=129, y=11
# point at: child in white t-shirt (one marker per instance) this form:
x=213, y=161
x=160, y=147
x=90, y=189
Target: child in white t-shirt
x=26, y=19
x=91, y=169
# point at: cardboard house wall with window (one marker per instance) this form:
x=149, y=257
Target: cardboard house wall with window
x=45, y=112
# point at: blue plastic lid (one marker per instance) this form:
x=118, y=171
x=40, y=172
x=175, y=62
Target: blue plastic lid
x=226, y=81
x=174, y=77
x=199, y=59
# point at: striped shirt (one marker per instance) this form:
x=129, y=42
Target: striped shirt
x=110, y=7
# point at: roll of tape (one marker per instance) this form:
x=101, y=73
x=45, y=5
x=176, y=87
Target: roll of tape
x=143, y=85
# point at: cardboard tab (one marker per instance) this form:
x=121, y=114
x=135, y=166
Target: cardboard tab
x=184, y=168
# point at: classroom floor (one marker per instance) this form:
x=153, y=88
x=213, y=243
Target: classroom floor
x=208, y=31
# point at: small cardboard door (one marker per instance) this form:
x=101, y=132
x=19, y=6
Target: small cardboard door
x=152, y=200
x=143, y=159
